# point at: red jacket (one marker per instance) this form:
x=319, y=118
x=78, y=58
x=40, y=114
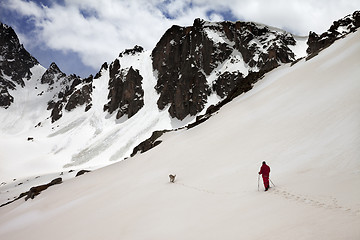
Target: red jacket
x=265, y=170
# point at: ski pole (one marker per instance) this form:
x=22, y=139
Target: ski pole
x=272, y=182
x=258, y=181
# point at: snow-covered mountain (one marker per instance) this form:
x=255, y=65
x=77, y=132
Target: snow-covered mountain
x=53, y=123
x=302, y=118
x=75, y=123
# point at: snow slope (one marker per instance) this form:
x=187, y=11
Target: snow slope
x=78, y=140
x=94, y=138
x=303, y=120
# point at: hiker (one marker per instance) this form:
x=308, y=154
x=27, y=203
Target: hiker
x=265, y=172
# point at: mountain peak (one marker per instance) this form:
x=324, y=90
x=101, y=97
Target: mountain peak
x=199, y=22
x=53, y=66
x=132, y=51
x=52, y=74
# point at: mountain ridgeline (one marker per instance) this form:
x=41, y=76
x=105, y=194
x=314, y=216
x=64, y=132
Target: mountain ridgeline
x=190, y=64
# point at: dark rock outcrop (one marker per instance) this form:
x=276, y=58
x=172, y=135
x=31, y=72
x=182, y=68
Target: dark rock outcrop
x=125, y=91
x=56, y=112
x=132, y=51
x=185, y=56
x=226, y=82
x=103, y=67
x=34, y=191
x=182, y=58
x=338, y=29
x=80, y=96
x=5, y=98
x=149, y=143
x=15, y=64
x=81, y=172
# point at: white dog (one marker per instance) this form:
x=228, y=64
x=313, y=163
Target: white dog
x=172, y=178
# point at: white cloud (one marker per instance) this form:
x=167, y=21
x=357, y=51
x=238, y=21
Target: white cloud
x=97, y=30
x=297, y=16
x=25, y=8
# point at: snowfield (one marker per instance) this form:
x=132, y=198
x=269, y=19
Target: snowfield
x=79, y=139
x=303, y=120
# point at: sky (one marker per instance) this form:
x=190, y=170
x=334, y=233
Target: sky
x=80, y=35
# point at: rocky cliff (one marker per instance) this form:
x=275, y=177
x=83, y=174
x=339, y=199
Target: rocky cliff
x=126, y=95
x=15, y=64
x=185, y=57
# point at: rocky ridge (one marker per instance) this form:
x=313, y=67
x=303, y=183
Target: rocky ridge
x=338, y=29
x=186, y=60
